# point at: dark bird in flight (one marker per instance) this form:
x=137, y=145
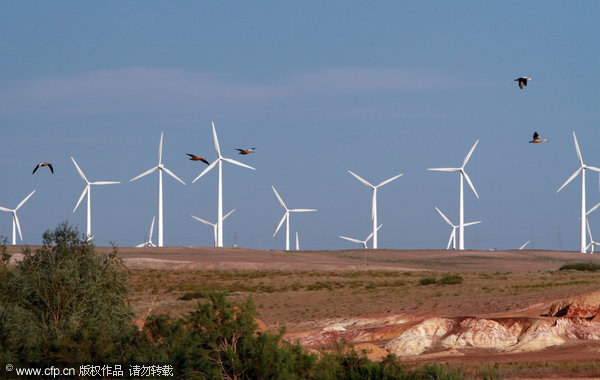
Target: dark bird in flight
x=522, y=81
x=537, y=139
x=48, y=164
x=193, y=157
x=245, y=151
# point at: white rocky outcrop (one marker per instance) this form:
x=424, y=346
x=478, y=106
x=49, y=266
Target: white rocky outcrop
x=419, y=338
x=481, y=333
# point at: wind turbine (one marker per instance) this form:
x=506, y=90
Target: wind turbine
x=160, y=167
x=363, y=242
x=461, y=210
x=88, y=190
x=452, y=239
x=297, y=242
x=214, y=225
x=219, y=161
x=581, y=169
x=286, y=218
x=374, y=207
x=592, y=242
x=15, y=218
x=149, y=243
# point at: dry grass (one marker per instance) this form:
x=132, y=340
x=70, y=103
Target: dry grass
x=292, y=297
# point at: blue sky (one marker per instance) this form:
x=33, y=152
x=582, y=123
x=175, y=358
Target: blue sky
x=319, y=88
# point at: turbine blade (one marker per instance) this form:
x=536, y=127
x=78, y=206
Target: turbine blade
x=140, y=245
x=445, y=217
x=280, y=223
x=151, y=229
x=569, y=180
x=303, y=210
x=203, y=221
x=524, y=245
x=160, y=148
x=593, y=208
x=593, y=168
x=104, y=183
x=360, y=179
x=470, y=183
x=390, y=180
x=87, y=188
x=577, y=149
x=444, y=169
x=381, y=225
x=469, y=154
x=352, y=240
x=80, y=171
x=450, y=240
x=471, y=223
x=229, y=213
x=172, y=174
x=216, y=139
x=5, y=209
x=144, y=173
x=207, y=169
x=278, y=197
x=587, y=224
x=24, y=200
x=232, y=161
x=16, y=218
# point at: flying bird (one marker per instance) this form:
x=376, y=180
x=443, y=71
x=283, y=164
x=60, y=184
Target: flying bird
x=522, y=81
x=245, y=151
x=193, y=157
x=48, y=164
x=537, y=139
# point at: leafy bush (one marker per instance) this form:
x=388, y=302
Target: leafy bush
x=64, y=301
x=427, y=281
x=589, y=267
x=450, y=279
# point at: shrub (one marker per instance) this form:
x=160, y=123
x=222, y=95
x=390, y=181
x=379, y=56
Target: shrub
x=63, y=303
x=450, y=279
x=589, y=267
x=427, y=281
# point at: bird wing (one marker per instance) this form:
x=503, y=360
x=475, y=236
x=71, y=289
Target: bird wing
x=525, y=81
x=36, y=168
x=535, y=136
x=51, y=168
x=203, y=160
x=520, y=84
x=191, y=155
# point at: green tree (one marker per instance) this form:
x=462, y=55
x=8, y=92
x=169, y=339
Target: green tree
x=64, y=303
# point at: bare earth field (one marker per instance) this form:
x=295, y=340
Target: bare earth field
x=370, y=297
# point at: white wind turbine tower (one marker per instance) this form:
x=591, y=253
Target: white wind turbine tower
x=461, y=209
x=88, y=190
x=160, y=167
x=374, y=207
x=15, y=218
x=452, y=239
x=581, y=169
x=219, y=161
x=363, y=242
x=149, y=243
x=213, y=225
x=286, y=218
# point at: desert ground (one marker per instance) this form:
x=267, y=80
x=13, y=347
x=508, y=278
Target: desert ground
x=371, y=297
